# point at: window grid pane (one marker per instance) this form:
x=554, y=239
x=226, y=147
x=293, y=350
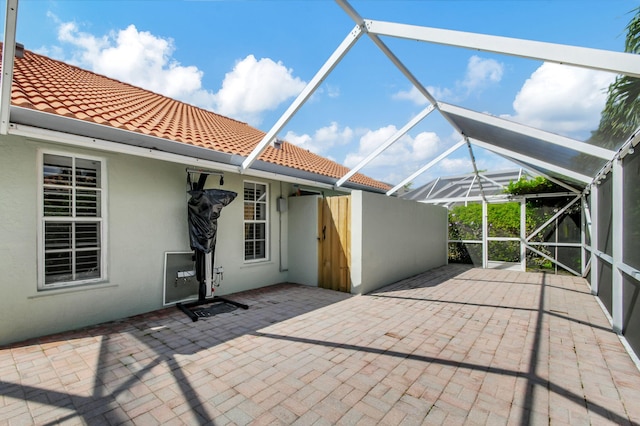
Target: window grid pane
x=261, y=211
x=57, y=201
x=249, y=250
x=87, y=203
x=57, y=236
x=88, y=264
x=57, y=170
x=58, y=267
x=87, y=235
x=87, y=173
x=249, y=211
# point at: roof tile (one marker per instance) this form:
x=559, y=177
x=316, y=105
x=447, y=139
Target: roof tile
x=48, y=85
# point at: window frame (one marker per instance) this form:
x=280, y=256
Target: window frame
x=43, y=220
x=267, y=203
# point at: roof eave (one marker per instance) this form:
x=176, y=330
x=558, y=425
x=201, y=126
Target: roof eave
x=88, y=129
x=228, y=162
x=327, y=180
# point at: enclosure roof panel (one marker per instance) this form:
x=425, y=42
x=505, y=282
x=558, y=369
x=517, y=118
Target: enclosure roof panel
x=529, y=145
x=466, y=185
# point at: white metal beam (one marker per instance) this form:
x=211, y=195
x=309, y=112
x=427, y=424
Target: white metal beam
x=604, y=60
x=587, y=268
x=496, y=183
x=562, y=265
x=553, y=138
x=538, y=163
x=474, y=198
x=426, y=167
x=8, y=57
x=432, y=188
x=451, y=186
x=550, y=195
x=617, y=231
x=583, y=235
x=344, y=4
x=485, y=234
x=494, y=198
x=587, y=217
x=418, y=118
x=475, y=167
x=554, y=217
x=626, y=148
x=595, y=235
x=393, y=58
x=357, y=18
x=306, y=93
x=523, y=234
x=403, y=69
x=471, y=186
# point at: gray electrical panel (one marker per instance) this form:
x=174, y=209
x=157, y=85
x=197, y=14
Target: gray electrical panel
x=180, y=283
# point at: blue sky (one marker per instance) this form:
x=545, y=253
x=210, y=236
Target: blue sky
x=249, y=59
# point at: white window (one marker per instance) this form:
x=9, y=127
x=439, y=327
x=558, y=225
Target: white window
x=71, y=235
x=256, y=208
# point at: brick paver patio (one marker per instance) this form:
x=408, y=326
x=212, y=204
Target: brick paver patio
x=451, y=346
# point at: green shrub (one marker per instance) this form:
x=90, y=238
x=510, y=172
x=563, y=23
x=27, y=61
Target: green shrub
x=465, y=223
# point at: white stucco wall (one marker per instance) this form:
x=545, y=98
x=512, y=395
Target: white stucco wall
x=393, y=239
x=239, y=275
x=147, y=217
x=303, y=240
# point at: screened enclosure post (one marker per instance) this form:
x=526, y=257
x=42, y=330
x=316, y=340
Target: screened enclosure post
x=485, y=235
x=583, y=234
x=8, y=56
x=523, y=234
x=595, y=260
x=448, y=235
x=617, y=240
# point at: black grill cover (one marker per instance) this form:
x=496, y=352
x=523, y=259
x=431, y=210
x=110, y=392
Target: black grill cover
x=204, y=210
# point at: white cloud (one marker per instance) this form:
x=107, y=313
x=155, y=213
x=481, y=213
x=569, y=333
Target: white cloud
x=327, y=90
x=145, y=60
x=481, y=73
x=332, y=135
x=303, y=141
x=138, y=58
x=255, y=86
x=455, y=166
x=323, y=139
x=562, y=99
x=405, y=152
x=418, y=98
x=333, y=91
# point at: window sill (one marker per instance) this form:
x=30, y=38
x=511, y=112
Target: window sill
x=71, y=289
x=257, y=263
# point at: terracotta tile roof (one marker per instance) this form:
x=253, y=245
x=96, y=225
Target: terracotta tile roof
x=51, y=86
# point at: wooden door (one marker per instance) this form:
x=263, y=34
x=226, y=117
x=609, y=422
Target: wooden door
x=334, y=231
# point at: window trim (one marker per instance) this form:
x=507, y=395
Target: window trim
x=267, y=234
x=102, y=220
